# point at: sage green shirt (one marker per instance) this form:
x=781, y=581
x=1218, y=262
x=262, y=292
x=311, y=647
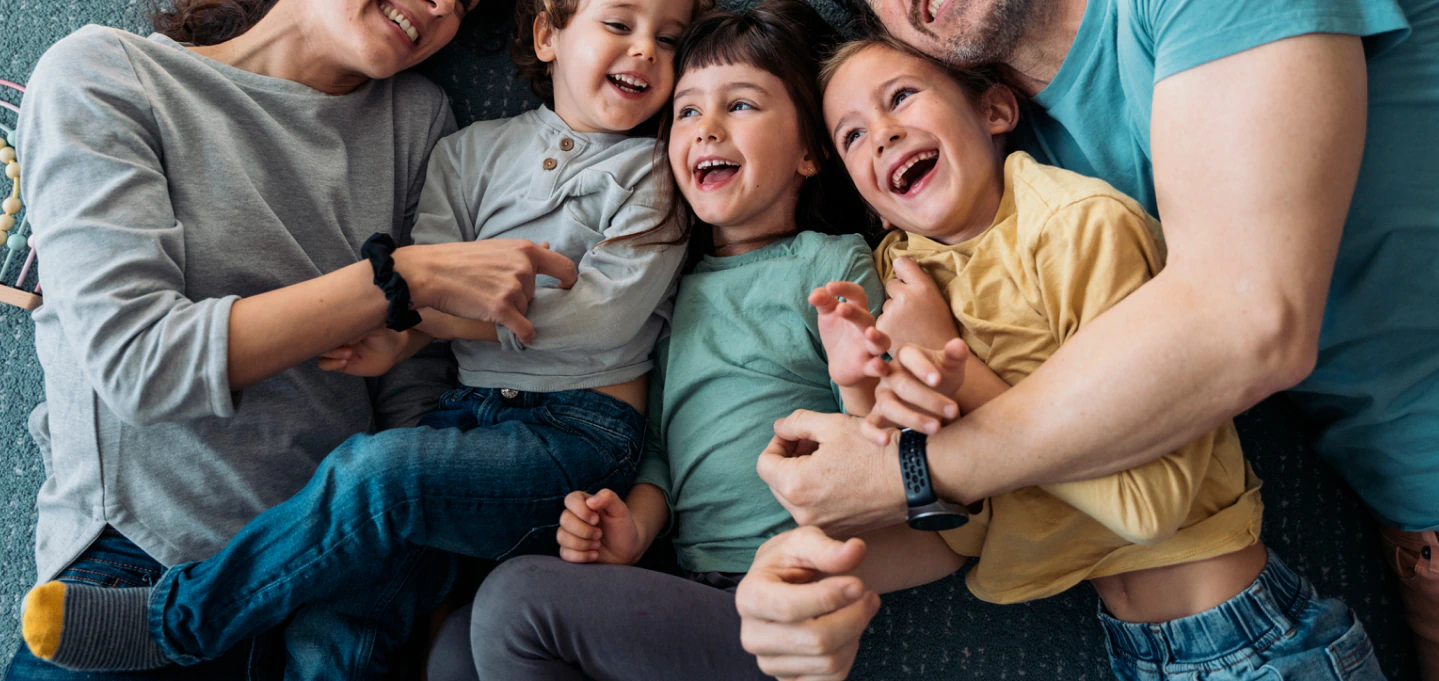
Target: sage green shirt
x=744, y=351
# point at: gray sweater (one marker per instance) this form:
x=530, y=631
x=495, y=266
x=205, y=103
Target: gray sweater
x=532, y=177
x=162, y=187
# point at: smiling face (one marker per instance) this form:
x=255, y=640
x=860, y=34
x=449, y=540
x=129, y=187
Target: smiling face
x=613, y=63
x=736, y=150
x=922, y=152
x=959, y=31
x=380, y=38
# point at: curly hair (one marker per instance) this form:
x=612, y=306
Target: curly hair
x=208, y=22
x=558, y=13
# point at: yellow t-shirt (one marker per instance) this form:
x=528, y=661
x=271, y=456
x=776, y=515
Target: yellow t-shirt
x=1063, y=249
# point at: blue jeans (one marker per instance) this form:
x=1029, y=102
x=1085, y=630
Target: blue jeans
x=484, y=476
x=113, y=561
x=1278, y=628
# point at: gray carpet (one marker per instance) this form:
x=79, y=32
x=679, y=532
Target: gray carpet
x=937, y=632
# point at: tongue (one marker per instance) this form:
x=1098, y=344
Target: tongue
x=719, y=175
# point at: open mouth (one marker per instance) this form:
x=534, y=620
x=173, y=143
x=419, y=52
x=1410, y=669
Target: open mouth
x=629, y=83
x=713, y=172
x=912, y=171
x=931, y=9
x=400, y=19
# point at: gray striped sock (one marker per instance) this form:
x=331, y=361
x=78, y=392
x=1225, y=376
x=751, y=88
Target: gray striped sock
x=107, y=629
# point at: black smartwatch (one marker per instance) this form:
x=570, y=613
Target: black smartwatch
x=927, y=512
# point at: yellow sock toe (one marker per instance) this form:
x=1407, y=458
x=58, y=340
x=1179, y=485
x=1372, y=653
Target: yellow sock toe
x=44, y=616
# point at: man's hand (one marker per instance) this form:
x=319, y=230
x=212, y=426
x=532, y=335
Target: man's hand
x=598, y=529
x=847, y=329
x=916, y=312
x=798, y=622
x=826, y=473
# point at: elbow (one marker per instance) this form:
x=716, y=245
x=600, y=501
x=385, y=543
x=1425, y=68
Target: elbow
x=1279, y=346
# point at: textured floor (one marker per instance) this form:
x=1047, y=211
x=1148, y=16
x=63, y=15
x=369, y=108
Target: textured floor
x=938, y=632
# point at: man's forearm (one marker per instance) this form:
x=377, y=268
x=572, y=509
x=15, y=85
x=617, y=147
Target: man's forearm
x=1151, y=374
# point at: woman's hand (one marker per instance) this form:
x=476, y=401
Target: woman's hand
x=490, y=281
x=916, y=312
x=598, y=529
x=848, y=332
x=373, y=354
x=798, y=622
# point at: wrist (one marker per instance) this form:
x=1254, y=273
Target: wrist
x=951, y=468
x=410, y=263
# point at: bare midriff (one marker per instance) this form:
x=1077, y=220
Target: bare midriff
x=1169, y=593
x=634, y=393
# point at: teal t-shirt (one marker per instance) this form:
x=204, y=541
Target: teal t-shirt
x=1375, y=392
x=744, y=351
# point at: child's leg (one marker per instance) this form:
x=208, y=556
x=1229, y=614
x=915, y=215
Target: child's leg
x=488, y=491
x=542, y=618
x=1277, y=628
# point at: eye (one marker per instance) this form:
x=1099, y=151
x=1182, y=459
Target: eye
x=618, y=27
x=849, y=139
x=686, y=112
x=900, y=95
x=669, y=41
x=741, y=106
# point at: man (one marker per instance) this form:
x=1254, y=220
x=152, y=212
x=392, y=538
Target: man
x=1252, y=129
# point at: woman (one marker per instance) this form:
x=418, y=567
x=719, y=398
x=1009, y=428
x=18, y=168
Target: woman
x=200, y=198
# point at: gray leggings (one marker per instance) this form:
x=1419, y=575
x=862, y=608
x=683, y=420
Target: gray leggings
x=538, y=617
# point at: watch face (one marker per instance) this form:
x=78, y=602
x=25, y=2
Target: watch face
x=937, y=521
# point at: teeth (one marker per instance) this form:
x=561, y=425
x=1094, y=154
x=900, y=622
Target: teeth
x=404, y=23
x=934, y=8
x=898, y=177
x=630, y=81
x=706, y=165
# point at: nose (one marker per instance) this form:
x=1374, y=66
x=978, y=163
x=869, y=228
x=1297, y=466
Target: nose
x=709, y=132
x=888, y=137
x=644, y=48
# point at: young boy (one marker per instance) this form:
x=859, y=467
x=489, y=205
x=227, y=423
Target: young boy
x=540, y=411
x=1026, y=255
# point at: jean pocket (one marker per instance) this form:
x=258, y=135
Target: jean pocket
x=611, y=435
x=1352, y=656
x=110, y=574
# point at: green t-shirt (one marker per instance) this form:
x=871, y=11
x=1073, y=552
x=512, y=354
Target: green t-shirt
x=1375, y=392
x=744, y=351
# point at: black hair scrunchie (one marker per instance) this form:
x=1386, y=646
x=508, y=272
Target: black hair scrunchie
x=379, y=250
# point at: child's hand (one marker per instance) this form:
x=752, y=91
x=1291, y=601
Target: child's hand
x=598, y=529
x=851, y=340
x=916, y=312
x=918, y=392
x=370, y=355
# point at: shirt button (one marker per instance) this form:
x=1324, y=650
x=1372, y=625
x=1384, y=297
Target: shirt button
x=567, y=144
x=509, y=393
x=550, y=164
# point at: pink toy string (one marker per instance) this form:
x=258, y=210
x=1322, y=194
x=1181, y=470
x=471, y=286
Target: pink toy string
x=24, y=271
x=13, y=86
x=10, y=106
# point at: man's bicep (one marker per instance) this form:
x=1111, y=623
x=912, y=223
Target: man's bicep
x=1255, y=161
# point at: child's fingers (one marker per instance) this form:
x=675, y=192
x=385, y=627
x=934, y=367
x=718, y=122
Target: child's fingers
x=333, y=364
x=575, y=504
x=876, y=342
x=342, y=352
x=855, y=314
x=909, y=271
x=898, y=412
x=919, y=396
x=874, y=427
x=577, y=556
x=579, y=527
x=919, y=363
x=876, y=367
x=823, y=301
x=848, y=290
x=606, y=502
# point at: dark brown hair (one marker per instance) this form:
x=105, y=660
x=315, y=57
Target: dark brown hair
x=208, y=22
x=789, y=39
x=558, y=13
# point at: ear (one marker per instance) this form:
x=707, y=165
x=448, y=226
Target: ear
x=545, y=35
x=808, y=167
x=1000, y=109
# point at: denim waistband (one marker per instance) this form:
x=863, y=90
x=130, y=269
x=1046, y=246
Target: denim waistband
x=1254, y=618
x=523, y=399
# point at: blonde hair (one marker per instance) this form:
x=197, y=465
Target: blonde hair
x=975, y=80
